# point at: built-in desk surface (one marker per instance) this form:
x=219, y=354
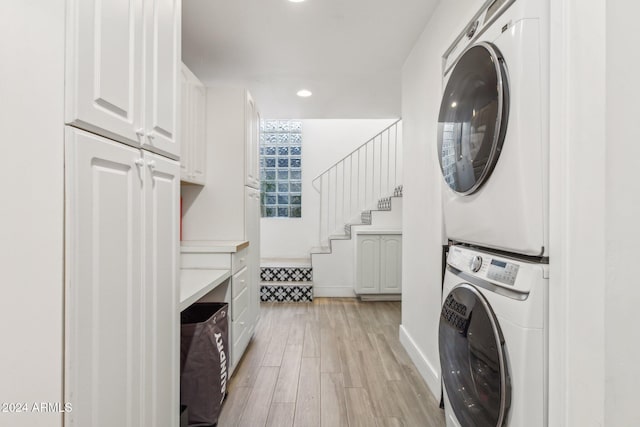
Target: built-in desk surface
x=196, y=283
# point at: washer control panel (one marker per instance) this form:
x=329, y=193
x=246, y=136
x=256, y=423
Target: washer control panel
x=502, y=271
x=486, y=266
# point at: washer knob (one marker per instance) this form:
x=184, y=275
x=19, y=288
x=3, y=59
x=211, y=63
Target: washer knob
x=476, y=263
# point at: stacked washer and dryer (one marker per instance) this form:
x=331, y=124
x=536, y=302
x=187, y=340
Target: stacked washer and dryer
x=493, y=150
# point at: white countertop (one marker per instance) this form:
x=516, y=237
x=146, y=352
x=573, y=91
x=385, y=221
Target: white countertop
x=212, y=246
x=196, y=283
x=370, y=230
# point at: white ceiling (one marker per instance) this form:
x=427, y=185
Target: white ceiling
x=349, y=53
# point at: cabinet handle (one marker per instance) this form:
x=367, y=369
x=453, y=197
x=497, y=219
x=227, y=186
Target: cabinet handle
x=139, y=162
x=140, y=132
x=150, y=136
x=151, y=164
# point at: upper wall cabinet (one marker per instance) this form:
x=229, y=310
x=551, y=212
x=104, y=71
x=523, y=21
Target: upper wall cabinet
x=122, y=71
x=193, y=128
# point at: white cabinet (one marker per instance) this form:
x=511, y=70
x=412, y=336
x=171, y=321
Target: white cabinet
x=240, y=313
x=121, y=284
x=378, y=263
x=252, y=141
x=228, y=206
x=252, y=234
x=161, y=324
x=122, y=71
x=390, y=264
x=193, y=128
x=234, y=257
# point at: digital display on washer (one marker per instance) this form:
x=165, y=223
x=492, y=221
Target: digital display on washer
x=503, y=272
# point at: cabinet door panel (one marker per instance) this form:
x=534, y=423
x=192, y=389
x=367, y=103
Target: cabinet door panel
x=199, y=153
x=391, y=264
x=252, y=125
x=252, y=234
x=368, y=269
x=103, y=282
x=104, y=68
x=162, y=30
x=185, y=124
x=162, y=199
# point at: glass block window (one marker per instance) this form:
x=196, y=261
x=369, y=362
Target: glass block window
x=280, y=168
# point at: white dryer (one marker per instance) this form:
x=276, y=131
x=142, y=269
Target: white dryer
x=493, y=129
x=493, y=340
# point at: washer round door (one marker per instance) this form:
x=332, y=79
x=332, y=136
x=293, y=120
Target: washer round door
x=473, y=118
x=473, y=359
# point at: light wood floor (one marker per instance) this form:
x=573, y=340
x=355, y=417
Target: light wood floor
x=334, y=362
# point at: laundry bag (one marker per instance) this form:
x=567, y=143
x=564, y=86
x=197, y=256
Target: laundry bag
x=204, y=364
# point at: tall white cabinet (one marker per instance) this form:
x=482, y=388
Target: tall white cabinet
x=227, y=207
x=122, y=212
x=121, y=284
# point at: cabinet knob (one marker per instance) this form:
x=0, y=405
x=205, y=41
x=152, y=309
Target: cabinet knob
x=139, y=162
x=151, y=164
x=150, y=136
x=140, y=132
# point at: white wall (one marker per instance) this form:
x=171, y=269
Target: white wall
x=324, y=141
x=577, y=212
x=422, y=218
x=622, y=293
x=31, y=212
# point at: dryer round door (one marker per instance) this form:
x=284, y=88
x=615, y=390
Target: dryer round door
x=473, y=359
x=473, y=118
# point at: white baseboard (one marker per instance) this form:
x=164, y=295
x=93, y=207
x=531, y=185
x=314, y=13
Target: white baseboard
x=430, y=375
x=333, y=291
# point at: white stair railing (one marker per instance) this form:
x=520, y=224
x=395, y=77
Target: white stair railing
x=358, y=180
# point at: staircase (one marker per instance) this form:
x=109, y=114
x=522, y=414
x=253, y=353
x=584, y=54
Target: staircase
x=334, y=264
x=362, y=190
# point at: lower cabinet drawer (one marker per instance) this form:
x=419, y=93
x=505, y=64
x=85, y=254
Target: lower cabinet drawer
x=239, y=259
x=240, y=336
x=239, y=304
x=240, y=327
x=239, y=282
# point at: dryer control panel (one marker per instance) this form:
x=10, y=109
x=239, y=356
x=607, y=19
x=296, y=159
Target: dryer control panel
x=484, y=265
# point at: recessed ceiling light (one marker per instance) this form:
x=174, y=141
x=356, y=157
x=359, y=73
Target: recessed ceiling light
x=304, y=93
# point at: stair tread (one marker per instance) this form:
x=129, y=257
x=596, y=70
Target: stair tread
x=320, y=250
x=285, y=262
x=285, y=283
x=339, y=237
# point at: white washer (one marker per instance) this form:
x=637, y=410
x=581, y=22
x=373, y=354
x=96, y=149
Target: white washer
x=493, y=340
x=493, y=129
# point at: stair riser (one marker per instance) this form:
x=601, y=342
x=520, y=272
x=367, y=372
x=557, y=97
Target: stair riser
x=286, y=274
x=286, y=293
